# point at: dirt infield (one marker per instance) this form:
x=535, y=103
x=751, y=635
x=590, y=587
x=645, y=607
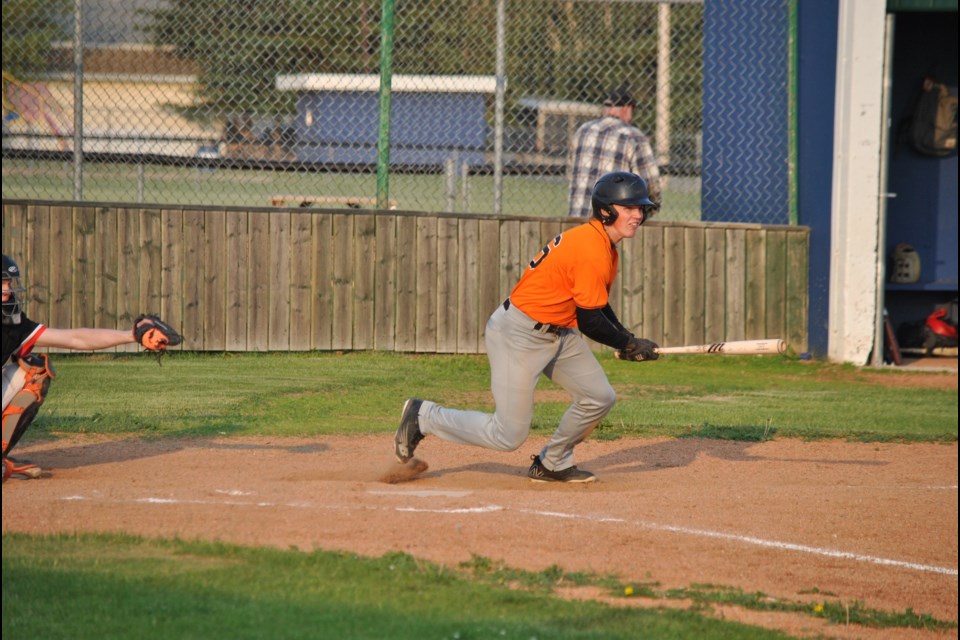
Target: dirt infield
x=803, y=521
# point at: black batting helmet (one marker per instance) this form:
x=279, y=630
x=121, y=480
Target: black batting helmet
x=619, y=187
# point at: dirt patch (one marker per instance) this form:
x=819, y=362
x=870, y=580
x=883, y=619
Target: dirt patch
x=913, y=380
x=874, y=523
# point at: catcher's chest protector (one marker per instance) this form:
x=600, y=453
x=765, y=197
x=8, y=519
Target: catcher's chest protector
x=23, y=394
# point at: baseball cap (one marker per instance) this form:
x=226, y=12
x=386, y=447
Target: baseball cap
x=619, y=97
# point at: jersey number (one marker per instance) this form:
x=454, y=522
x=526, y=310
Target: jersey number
x=545, y=251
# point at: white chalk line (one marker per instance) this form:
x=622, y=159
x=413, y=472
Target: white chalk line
x=773, y=544
x=703, y=533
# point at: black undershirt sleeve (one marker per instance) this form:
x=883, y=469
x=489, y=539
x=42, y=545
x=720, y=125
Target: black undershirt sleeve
x=602, y=326
x=612, y=317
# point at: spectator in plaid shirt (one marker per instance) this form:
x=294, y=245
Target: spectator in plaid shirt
x=609, y=143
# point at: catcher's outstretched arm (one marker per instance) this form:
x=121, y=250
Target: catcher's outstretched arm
x=84, y=339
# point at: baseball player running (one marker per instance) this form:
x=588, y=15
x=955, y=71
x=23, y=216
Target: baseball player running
x=565, y=287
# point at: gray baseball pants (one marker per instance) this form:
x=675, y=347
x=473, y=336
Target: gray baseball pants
x=518, y=355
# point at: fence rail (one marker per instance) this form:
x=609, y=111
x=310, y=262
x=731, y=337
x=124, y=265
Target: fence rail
x=298, y=280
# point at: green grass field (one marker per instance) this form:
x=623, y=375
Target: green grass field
x=240, y=394
x=522, y=195
x=109, y=586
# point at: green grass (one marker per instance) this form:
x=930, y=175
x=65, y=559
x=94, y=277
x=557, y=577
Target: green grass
x=103, y=586
x=98, y=586
x=705, y=595
x=522, y=195
x=723, y=397
x=91, y=586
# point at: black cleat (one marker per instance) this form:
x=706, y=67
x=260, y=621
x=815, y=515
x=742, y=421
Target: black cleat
x=539, y=473
x=408, y=433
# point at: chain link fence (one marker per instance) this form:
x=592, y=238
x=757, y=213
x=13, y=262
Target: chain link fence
x=256, y=103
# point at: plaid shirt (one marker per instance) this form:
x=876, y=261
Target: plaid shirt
x=604, y=145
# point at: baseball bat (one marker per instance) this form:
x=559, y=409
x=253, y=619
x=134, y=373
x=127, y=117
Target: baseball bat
x=733, y=348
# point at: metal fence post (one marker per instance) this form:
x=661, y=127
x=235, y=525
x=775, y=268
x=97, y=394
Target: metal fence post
x=383, y=133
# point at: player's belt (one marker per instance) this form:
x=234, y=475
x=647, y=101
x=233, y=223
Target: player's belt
x=539, y=327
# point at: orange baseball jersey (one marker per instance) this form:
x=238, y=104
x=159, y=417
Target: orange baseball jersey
x=575, y=269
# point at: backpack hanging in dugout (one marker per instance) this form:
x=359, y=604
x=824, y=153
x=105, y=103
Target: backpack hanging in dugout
x=932, y=128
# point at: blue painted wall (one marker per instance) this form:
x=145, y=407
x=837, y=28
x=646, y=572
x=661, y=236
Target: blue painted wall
x=425, y=128
x=745, y=177
x=816, y=95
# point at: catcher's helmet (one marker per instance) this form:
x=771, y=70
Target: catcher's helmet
x=12, y=306
x=619, y=187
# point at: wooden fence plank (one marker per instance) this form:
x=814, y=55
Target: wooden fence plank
x=301, y=280
x=343, y=278
x=775, y=290
x=385, y=279
x=653, y=288
x=755, y=299
x=715, y=287
x=236, y=277
x=673, y=264
x=364, y=285
x=468, y=315
x=694, y=285
x=84, y=295
x=511, y=263
x=279, y=314
x=259, y=266
x=426, y=321
x=15, y=233
x=171, y=291
x=128, y=271
x=151, y=261
x=321, y=303
x=407, y=270
x=797, y=288
x=194, y=310
x=446, y=301
x=36, y=271
x=61, y=252
x=630, y=281
x=736, y=284
x=488, y=279
x=106, y=269
x=214, y=281
x=531, y=242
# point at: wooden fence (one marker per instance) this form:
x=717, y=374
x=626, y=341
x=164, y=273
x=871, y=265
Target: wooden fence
x=299, y=280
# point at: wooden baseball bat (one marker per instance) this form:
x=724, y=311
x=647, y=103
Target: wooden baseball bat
x=734, y=348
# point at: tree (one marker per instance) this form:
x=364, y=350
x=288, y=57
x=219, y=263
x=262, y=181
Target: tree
x=29, y=30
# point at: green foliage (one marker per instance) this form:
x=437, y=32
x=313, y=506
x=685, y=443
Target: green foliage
x=553, y=50
x=29, y=30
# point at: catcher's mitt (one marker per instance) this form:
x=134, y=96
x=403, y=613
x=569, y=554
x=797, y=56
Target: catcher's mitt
x=638, y=350
x=154, y=334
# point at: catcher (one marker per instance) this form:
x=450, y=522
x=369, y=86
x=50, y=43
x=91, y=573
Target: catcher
x=27, y=376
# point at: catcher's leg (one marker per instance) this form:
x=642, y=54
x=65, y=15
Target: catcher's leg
x=25, y=385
